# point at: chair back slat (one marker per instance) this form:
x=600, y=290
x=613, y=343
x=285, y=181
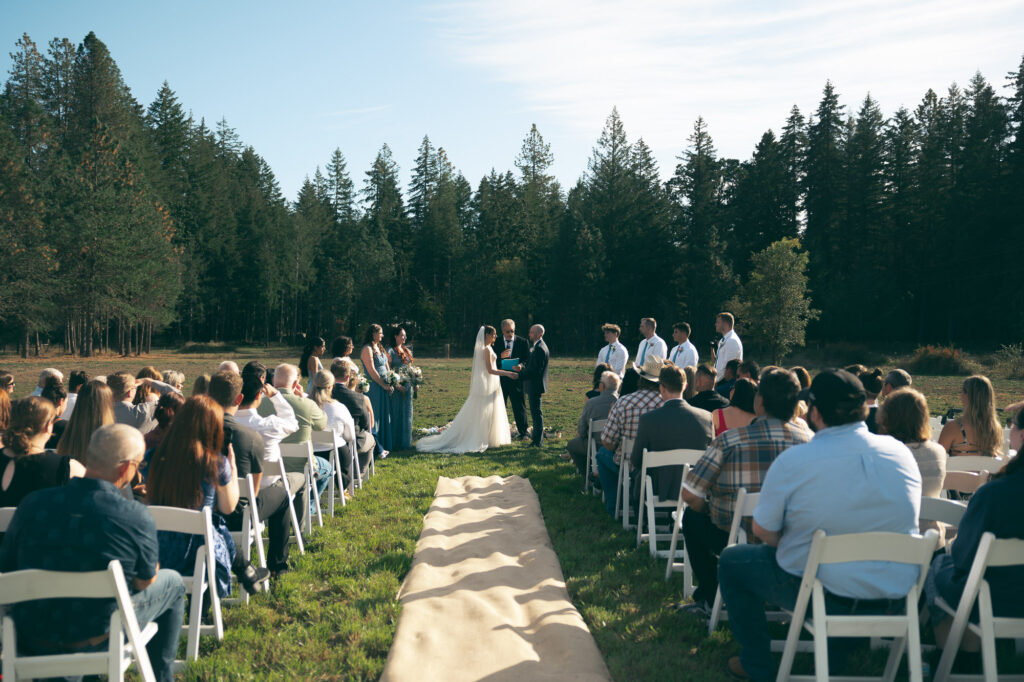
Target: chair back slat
x=964, y=481
x=942, y=510
x=895, y=547
x=1006, y=552
x=6, y=514
x=326, y=437
x=31, y=584
x=179, y=520
x=663, y=458
x=974, y=463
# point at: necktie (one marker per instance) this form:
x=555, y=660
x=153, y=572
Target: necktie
x=675, y=353
x=643, y=354
x=608, y=354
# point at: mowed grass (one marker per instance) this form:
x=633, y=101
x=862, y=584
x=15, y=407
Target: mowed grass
x=335, y=615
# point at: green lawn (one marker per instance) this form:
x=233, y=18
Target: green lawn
x=334, y=616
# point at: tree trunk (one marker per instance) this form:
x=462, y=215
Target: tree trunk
x=24, y=344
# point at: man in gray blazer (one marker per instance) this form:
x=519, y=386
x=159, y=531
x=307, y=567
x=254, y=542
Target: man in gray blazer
x=674, y=425
x=597, y=407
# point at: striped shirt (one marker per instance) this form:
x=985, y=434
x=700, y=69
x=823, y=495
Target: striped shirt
x=739, y=458
x=624, y=419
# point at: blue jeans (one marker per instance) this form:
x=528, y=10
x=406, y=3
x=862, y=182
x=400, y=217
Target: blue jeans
x=322, y=476
x=163, y=602
x=608, y=472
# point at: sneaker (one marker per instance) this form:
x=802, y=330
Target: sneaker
x=700, y=609
x=253, y=579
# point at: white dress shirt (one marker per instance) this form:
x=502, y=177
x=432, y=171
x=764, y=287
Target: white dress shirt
x=616, y=355
x=69, y=406
x=339, y=420
x=685, y=355
x=729, y=348
x=654, y=346
x=274, y=429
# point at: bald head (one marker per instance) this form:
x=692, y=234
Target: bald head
x=228, y=365
x=285, y=375
x=110, y=447
x=536, y=333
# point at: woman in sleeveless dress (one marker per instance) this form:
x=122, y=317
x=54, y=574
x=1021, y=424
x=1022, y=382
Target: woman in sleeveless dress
x=400, y=356
x=482, y=422
x=977, y=431
x=310, y=363
x=375, y=363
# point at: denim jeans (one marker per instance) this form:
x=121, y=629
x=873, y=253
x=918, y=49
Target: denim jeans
x=322, y=476
x=608, y=472
x=163, y=602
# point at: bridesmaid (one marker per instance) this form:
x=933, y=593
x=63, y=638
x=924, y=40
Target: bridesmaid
x=401, y=400
x=375, y=362
x=310, y=363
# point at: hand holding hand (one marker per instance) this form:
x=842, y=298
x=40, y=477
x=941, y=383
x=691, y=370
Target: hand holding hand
x=512, y=375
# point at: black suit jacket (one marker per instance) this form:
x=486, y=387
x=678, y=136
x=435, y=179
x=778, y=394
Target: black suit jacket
x=709, y=400
x=520, y=349
x=535, y=373
x=672, y=426
x=355, y=404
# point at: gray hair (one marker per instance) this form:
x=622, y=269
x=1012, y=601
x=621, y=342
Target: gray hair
x=285, y=375
x=511, y=324
x=111, y=445
x=174, y=378
x=898, y=378
x=323, y=382
x=610, y=380
x=539, y=328
x=48, y=373
x=229, y=365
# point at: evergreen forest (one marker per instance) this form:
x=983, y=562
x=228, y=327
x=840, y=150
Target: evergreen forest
x=125, y=225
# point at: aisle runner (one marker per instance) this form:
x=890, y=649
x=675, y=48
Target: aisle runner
x=485, y=599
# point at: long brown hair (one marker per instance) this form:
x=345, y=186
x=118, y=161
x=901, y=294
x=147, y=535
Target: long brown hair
x=93, y=408
x=145, y=390
x=980, y=413
x=5, y=412
x=29, y=417
x=187, y=455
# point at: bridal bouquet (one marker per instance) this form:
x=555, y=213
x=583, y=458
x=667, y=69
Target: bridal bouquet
x=411, y=375
x=364, y=384
x=391, y=378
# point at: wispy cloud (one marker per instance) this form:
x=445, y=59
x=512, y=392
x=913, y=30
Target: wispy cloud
x=739, y=64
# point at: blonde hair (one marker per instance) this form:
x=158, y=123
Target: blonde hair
x=690, y=389
x=323, y=382
x=980, y=414
x=94, y=408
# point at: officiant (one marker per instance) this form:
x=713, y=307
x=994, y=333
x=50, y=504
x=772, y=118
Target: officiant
x=512, y=347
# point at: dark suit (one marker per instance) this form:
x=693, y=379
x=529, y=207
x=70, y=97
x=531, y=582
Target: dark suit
x=709, y=401
x=535, y=384
x=672, y=426
x=512, y=389
x=364, y=444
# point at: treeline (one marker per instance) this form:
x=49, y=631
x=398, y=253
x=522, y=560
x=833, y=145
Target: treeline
x=119, y=221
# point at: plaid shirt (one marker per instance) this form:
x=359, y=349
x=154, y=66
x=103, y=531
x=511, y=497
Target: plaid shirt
x=739, y=458
x=624, y=418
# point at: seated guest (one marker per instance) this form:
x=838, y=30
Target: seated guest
x=690, y=389
x=202, y=384
x=749, y=369
x=897, y=378
x=739, y=458
x=904, y=416
x=341, y=347
x=802, y=375
x=675, y=425
x=6, y=382
x=845, y=480
x=339, y=419
x=684, y=354
x=175, y=379
x=740, y=411
x=977, y=430
x=706, y=397
x=726, y=382
x=595, y=408
x=76, y=380
x=247, y=444
x=188, y=471
x=856, y=369
x=622, y=424
x=630, y=382
x=46, y=374
x=599, y=370
x=166, y=407
x=144, y=393
x=55, y=393
x=994, y=508
x=124, y=386
x=228, y=366
x=95, y=408
x=83, y=526
x=25, y=462
x=345, y=373
x=5, y=413
x=872, y=381
x=614, y=354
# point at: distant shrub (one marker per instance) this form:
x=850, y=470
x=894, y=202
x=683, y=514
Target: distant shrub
x=1011, y=359
x=940, y=360
x=195, y=348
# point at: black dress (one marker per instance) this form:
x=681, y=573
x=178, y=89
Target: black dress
x=32, y=473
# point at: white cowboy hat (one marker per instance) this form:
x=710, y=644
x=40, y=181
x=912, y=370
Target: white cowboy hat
x=651, y=368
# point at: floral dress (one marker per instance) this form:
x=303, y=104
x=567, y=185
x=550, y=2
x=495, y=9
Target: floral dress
x=401, y=403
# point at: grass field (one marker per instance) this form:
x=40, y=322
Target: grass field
x=334, y=616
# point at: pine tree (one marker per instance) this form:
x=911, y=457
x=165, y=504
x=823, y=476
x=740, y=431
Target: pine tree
x=340, y=189
x=793, y=144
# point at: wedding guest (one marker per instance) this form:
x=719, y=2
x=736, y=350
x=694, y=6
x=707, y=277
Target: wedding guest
x=872, y=380
x=76, y=380
x=630, y=382
x=55, y=393
x=598, y=373
x=802, y=375
x=228, y=365
x=5, y=413
x=614, y=354
x=749, y=369
x=25, y=463
x=346, y=392
x=144, y=393
x=339, y=420
x=6, y=382
x=375, y=363
x=46, y=374
x=977, y=430
x=174, y=378
x=166, y=407
x=740, y=410
x=399, y=357
x=706, y=397
x=202, y=383
x=690, y=389
x=310, y=362
x=341, y=347
x=685, y=353
x=595, y=408
x=124, y=386
x=904, y=416
x=897, y=378
x=95, y=408
x=856, y=369
x=729, y=347
x=652, y=343
x=726, y=382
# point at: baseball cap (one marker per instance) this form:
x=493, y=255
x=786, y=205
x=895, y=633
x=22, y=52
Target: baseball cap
x=834, y=388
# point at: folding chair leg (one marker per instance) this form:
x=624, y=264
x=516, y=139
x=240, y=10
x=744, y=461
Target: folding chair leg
x=820, y=638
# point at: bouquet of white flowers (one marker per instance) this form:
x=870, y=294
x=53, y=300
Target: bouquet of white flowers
x=411, y=375
x=391, y=378
x=364, y=384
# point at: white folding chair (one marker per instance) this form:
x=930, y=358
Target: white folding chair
x=903, y=628
x=672, y=565
x=942, y=510
x=304, y=451
x=32, y=584
x=594, y=431
x=992, y=552
x=649, y=503
x=204, y=572
x=330, y=437
x=6, y=514
x=964, y=481
x=974, y=463
x=745, y=505
x=936, y=424
x=296, y=528
x=622, y=485
x=251, y=533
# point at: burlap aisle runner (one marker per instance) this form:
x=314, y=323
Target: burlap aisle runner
x=485, y=599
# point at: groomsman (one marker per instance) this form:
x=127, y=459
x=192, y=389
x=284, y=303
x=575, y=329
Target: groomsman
x=652, y=343
x=534, y=374
x=684, y=354
x=730, y=347
x=615, y=354
x=512, y=346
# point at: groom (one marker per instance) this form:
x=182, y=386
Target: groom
x=511, y=346
x=534, y=374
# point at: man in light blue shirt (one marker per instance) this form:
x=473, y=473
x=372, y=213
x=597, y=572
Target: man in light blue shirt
x=845, y=480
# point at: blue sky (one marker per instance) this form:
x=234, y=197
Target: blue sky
x=297, y=80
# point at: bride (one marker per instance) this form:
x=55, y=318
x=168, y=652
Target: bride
x=482, y=422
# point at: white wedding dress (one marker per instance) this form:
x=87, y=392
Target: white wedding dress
x=482, y=422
